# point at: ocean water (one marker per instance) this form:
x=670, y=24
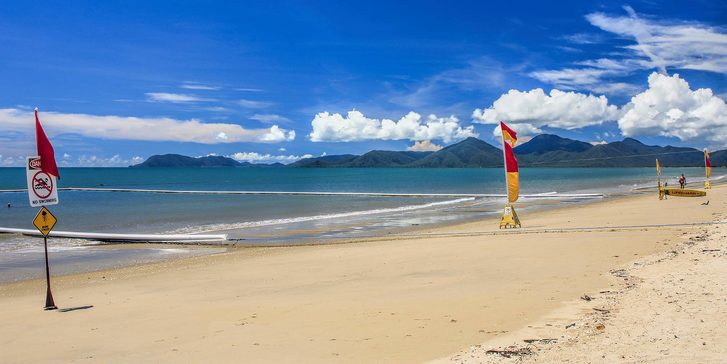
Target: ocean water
x=286, y=219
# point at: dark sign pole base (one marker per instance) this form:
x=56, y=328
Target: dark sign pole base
x=49, y=304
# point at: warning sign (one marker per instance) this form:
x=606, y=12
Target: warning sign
x=44, y=221
x=42, y=188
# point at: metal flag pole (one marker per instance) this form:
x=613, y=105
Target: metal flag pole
x=49, y=304
x=658, y=181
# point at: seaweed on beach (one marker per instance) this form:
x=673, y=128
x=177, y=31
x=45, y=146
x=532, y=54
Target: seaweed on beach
x=511, y=351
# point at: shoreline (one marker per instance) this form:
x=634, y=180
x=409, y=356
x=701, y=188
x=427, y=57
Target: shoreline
x=395, y=299
x=291, y=238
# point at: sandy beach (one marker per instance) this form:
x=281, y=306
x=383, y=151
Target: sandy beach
x=450, y=293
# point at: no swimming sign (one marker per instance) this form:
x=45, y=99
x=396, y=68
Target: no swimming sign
x=42, y=187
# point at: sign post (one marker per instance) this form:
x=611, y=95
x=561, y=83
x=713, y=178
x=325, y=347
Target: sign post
x=42, y=191
x=44, y=222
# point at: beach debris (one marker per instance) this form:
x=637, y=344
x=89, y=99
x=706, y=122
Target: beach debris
x=540, y=341
x=701, y=237
x=570, y=325
x=619, y=273
x=494, y=332
x=710, y=250
x=705, y=203
x=602, y=310
x=510, y=351
x=600, y=327
x=586, y=297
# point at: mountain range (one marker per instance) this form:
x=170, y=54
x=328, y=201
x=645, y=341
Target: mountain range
x=545, y=150
x=176, y=160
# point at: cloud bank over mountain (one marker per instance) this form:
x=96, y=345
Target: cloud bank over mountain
x=355, y=126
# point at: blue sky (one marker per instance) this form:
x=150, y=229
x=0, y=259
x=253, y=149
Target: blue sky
x=275, y=80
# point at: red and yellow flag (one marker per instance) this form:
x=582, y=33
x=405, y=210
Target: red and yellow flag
x=509, y=139
x=707, y=163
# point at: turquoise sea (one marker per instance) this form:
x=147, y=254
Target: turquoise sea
x=280, y=219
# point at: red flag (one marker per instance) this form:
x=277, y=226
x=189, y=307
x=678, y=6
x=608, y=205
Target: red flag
x=45, y=150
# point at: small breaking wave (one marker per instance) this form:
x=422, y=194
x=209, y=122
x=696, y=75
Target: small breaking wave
x=291, y=220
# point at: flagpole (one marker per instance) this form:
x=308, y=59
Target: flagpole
x=658, y=180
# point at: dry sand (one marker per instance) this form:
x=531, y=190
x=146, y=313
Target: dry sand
x=399, y=299
x=669, y=307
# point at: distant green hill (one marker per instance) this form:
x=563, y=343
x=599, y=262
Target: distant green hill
x=627, y=153
x=468, y=153
x=544, y=150
x=545, y=143
x=324, y=162
x=176, y=160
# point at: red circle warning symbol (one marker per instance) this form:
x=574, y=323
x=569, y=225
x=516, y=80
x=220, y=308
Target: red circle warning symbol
x=42, y=185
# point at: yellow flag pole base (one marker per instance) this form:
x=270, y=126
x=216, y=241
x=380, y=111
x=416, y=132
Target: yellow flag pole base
x=706, y=185
x=509, y=218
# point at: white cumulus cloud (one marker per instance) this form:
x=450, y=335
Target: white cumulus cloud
x=135, y=128
x=558, y=109
x=98, y=161
x=669, y=107
x=356, y=127
x=276, y=134
x=424, y=146
x=254, y=157
x=11, y=162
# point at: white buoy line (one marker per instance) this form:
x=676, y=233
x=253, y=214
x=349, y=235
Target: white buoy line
x=545, y=195
x=128, y=238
